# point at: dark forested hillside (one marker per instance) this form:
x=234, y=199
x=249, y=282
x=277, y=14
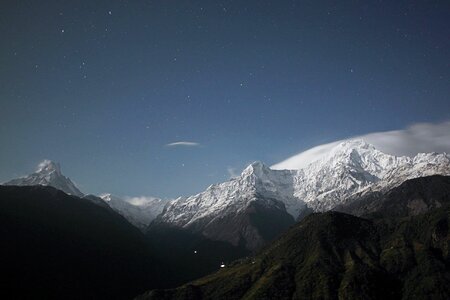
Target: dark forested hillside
x=58, y=246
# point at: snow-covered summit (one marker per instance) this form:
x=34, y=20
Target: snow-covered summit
x=258, y=168
x=359, y=155
x=48, y=166
x=48, y=173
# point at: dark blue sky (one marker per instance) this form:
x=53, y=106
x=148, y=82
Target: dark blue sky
x=103, y=86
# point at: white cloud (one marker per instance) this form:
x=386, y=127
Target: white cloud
x=141, y=200
x=417, y=138
x=304, y=158
x=232, y=172
x=184, y=144
x=43, y=164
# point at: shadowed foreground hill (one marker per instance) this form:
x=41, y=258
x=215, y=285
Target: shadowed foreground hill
x=58, y=246
x=338, y=256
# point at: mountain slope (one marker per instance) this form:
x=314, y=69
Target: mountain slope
x=351, y=168
x=59, y=246
x=338, y=256
x=48, y=173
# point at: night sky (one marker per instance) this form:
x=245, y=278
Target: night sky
x=104, y=86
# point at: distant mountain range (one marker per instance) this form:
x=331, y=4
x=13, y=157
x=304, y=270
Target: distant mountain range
x=242, y=210
x=253, y=208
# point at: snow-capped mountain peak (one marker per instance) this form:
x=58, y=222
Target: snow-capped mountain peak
x=48, y=173
x=351, y=145
x=256, y=168
x=48, y=167
x=358, y=154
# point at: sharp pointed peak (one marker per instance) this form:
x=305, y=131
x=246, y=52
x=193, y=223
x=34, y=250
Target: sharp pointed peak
x=258, y=164
x=255, y=167
x=48, y=173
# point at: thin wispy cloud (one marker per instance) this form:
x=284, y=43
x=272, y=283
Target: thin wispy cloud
x=417, y=138
x=183, y=144
x=232, y=172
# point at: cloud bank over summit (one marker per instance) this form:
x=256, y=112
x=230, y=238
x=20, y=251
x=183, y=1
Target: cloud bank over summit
x=417, y=138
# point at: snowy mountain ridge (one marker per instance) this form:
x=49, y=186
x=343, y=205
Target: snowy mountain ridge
x=350, y=168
